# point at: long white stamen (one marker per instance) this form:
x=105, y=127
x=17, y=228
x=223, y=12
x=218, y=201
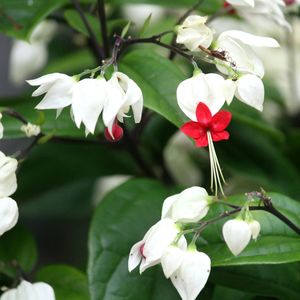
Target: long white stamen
x=216, y=172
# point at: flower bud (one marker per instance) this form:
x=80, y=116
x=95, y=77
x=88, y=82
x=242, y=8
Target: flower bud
x=237, y=235
x=191, y=276
x=9, y=214
x=31, y=129
x=255, y=229
x=117, y=133
x=29, y=291
x=194, y=33
x=191, y=205
x=8, y=180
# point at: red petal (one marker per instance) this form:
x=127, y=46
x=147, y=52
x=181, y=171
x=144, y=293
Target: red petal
x=202, y=141
x=193, y=129
x=203, y=114
x=220, y=136
x=117, y=133
x=220, y=121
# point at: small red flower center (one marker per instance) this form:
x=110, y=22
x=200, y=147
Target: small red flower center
x=206, y=123
x=229, y=8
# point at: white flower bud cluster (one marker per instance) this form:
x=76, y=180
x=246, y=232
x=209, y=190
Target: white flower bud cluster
x=90, y=97
x=31, y=129
x=28, y=291
x=165, y=244
x=8, y=184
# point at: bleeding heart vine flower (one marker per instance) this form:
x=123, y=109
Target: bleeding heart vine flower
x=123, y=93
x=188, y=270
x=149, y=250
x=208, y=129
x=29, y=291
x=237, y=234
x=9, y=214
x=194, y=33
x=191, y=205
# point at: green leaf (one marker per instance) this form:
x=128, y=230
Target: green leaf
x=145, y=25
x=125, y=29
x=19, y=17
x=74, y=20
x=67, y=282
x=158, y=78
x=124, y=216
x=17, y=245
x=279, y=281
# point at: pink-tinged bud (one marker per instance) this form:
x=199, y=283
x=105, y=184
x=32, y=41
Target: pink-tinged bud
x=117, y=133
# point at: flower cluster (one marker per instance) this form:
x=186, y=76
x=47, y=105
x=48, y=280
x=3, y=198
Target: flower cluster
x=165, y=242
x=28, y=291
x=8, y=184
x=90, y=97
x=202, y=96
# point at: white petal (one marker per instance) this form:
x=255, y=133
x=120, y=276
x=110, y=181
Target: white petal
x=8, y=181
x=250, y=90
x=9, y=214
x=59, y=95
x=171, y=260
x=241, y=2
x=49, y=78
x=190, y=206
x=237, y=235
x=230, y=88
x=89, y=97
x=251, y=39
x=43, y=291
x=167, y=206
x=135, y=256
x=255, y=229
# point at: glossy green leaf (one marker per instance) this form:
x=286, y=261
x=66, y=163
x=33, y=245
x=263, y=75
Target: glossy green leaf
x=19, y=17
x=124, y=216
x=67, y=282
x=17, y=245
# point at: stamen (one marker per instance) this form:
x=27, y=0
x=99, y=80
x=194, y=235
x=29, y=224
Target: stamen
x=215, y=169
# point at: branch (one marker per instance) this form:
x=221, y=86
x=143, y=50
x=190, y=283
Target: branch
x=103, y=27
x=95, y=46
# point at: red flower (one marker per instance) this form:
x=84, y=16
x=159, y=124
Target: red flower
x=117, y=133
x=206, y=123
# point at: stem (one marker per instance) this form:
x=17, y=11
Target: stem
x=95, y=46
x=103, y=27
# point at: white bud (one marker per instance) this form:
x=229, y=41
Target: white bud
x=29, y=291
x=255, y=229
x=191, y=276
x=9, y=214
x=191, y=205
x=8, y=180
x=31, y=129
x=194, y=33
x=237, y=235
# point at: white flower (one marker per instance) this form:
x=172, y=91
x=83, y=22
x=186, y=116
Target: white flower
x=237, y=235
x=206, y=88
x=237, y=44
x=191, y=205
x=1, y=127
x=58, y=88
x=122, y=93
x=248, y=89
x=9, y=214
x=8, y=180
x=188, y=270
x=28, y=58
x=29, y=291
x=150, y=249
x=31, y=129
x=267, y=8
x=88, y=99
x=255, y=229
x=194, y=33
